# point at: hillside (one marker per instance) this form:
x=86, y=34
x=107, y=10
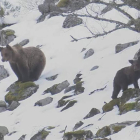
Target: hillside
x=66, y=59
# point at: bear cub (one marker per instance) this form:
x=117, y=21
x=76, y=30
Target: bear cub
x=126, y=76
x=27, y=63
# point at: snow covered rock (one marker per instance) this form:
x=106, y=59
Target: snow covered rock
x=78, y=135
x=57, y=88
x=20, y=91
x=6, y=36
x=121, y=47
x=3, y=72
x=44, y=102
x=92, y=113
x=89, y=53
x=72, y=21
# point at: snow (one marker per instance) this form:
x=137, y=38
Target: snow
x=66, y=59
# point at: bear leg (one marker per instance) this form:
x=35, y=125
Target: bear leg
x=24, y=70
x=16, y=71
x=116, y=91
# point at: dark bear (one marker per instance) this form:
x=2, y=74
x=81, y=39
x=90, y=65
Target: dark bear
x=27, y=63
x=126, y=76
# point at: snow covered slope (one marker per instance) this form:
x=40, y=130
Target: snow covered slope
x=66, y=59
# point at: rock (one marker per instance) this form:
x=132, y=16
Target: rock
x=92, y=113
x=103, y=132
x=62, y=102
x=137, y=124
x=24, y=42
x=44, y=102
x=20, y=91
x=78, y=135
x=12, y=133
x=72, y=5
x=109, y=106
x=68, y=89
x=83, y=49
x=4, y=130
x=77, y=79
x=127, y=107
x=48, y=7
x=70, y=104
x=40, y=135
x=3, y=73
x=51, y=78
x=22, y=137
x=3, y=106
x=89, y=53
x=107, y=9
x=94, y=68
x=57, y=88
x=78, y=88
x=77, y=125
x=6, y=36
x=113, y=128
x=72, y=21
x=13, y=105
x=121, y=47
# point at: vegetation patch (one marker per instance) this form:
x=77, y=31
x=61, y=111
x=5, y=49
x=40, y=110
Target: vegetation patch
x=63, y=3
x=109, y=106
x=20, y=91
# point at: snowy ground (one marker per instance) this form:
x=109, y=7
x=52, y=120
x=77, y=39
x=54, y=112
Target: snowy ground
x=66, y=59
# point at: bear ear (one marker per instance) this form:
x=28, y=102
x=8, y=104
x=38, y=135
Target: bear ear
x=131, y=61
x=8, y=47
x=1, y=48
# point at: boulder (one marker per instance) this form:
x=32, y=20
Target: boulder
x=13, y=105
x=51, y=78
x=92, y=113
x=24, y=42
x=77, y=125
x=70, y=104
x=94, y=68
x=41, y=135
x=20, y=91
x=3, y=73
x=72, y=21
x=3, y=106
x=89, y=53
x=78, y=135
x=44, y=102
x=63, y=102
x=112, y=129
x=6, y=36
x=57, y=88
x=121, y=47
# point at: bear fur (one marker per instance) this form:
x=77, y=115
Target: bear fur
x=126, y=76
x=27, y=63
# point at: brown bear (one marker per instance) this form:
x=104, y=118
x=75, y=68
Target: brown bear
x=27, y=63
x=126, y=76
